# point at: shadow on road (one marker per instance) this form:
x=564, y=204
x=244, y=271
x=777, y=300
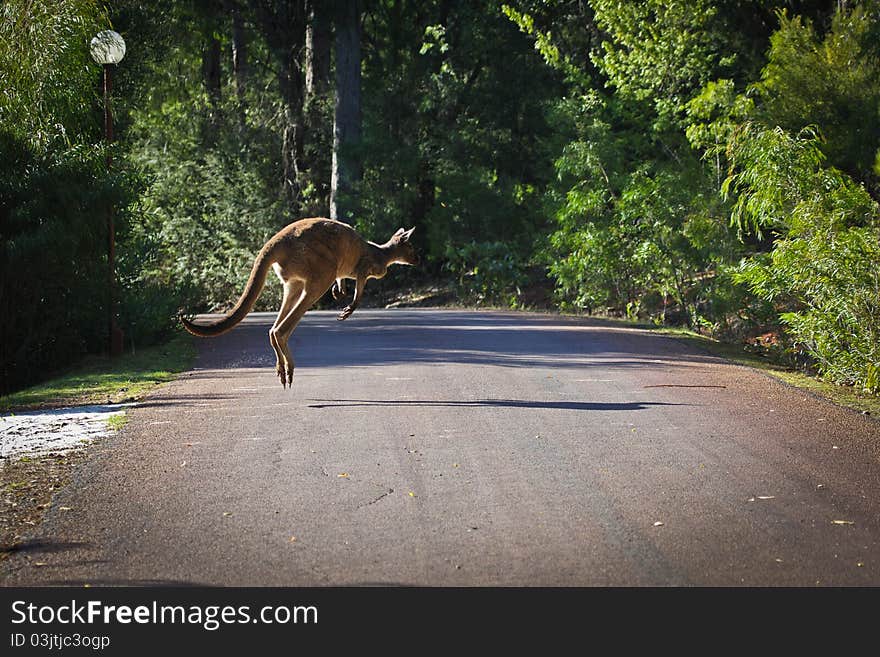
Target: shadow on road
x=36, y=545
x=493, y=403
x=128, y=582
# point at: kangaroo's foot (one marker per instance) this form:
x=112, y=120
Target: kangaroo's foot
x=285, y=373
x=346, y=313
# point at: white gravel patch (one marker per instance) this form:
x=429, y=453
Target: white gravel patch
x=55, y=431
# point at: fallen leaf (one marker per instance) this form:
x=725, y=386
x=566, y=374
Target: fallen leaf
x=65, y=508
x=860, y=564
x=843, y=522
x=766, y=497
x=40, y=563
x=343, y=475
x=411, y=494
x=658, y=524
x=455, y=465
x=227, y=513
x=293, y=539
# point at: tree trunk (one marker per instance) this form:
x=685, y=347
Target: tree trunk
x=282, y=22
x=347, y=115
x=290, y=82
x=211, y=74
x=211, y=67
x=319, y=32
x=239, y=58
x=318, y=106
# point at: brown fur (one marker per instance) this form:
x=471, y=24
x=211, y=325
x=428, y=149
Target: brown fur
x=309, y=256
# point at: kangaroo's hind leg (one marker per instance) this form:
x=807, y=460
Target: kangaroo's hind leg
x=292, y=294
x=312, y=291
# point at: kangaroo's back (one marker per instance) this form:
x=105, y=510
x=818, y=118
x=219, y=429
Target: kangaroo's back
x=314, y=248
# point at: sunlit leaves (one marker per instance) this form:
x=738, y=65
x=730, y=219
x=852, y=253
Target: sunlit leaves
x=47, y=77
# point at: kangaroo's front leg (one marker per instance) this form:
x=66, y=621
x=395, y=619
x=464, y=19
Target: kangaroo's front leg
x=338, y=289
x=358, y=295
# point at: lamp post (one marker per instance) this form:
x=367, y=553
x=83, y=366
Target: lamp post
x=108, y=49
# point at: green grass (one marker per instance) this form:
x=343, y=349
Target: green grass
x=841, y=395
x=99, y=380
x=116, y=422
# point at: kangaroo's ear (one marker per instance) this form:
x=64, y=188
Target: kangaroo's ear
x=406, y=234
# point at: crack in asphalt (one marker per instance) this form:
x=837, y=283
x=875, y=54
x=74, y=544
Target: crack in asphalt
x=382, y=496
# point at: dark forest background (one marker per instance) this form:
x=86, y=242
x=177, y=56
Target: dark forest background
x=709, y=163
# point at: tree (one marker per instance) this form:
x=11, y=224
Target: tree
x=347, y=170
x=831, y=82
x=239, y=57
x=283, y=26
x=318, y=111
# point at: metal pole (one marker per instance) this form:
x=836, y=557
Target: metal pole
x=114, y=344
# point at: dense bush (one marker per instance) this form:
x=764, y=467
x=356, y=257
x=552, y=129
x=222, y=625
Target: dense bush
x=488, y=273
x=822, y=274
x=53, y=264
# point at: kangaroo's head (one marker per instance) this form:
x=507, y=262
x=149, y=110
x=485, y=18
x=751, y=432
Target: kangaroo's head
x=401, y=249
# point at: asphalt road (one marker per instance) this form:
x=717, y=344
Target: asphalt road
x=424, y=447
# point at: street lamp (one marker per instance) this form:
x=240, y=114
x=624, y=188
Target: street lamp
x=108, y=48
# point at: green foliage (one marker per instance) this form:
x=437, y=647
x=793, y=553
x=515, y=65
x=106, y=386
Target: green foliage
x=204, y=215
x=452, y=145
x=771, y=173
x=487, y=272
x=822, y=273
x=545, y=44
x=643, y=239
x=830, y=82
x=55, y=190
x=47, y=76
x=659, y=50
x=53, y=218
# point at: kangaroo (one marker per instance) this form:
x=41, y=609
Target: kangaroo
x=309, y=256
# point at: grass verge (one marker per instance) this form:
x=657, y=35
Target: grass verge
x=840, y=395
x=101, y=380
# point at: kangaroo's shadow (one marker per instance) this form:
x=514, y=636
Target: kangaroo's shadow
x=492, y=403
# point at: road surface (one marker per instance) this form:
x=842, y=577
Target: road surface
x=432, y=447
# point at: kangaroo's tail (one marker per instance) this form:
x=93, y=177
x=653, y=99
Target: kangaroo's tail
x=243, y=305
